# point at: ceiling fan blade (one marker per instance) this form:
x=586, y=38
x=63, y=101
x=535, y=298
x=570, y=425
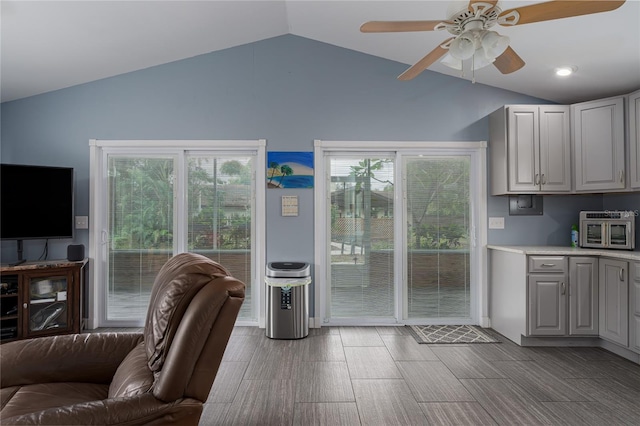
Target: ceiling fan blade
x=508, y=62
x=399, y=26
x=425, y=62
x=558, y=9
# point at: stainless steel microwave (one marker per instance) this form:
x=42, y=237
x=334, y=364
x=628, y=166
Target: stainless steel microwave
x=610, y=229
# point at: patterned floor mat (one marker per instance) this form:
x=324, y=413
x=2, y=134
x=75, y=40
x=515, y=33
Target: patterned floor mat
x=451, y=334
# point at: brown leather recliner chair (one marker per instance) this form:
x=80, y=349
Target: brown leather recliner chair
x=161, y=376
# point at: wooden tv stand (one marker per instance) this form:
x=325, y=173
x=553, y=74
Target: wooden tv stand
x=40, y=299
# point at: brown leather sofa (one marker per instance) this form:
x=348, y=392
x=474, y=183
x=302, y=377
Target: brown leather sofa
x=161, y=376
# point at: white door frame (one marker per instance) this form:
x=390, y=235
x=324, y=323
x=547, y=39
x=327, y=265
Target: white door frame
x=477, y=151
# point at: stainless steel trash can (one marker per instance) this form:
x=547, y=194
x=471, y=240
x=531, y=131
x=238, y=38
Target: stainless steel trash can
x=287, y=300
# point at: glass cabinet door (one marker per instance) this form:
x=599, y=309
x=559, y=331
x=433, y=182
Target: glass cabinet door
x=9, y=303
x=46, y=303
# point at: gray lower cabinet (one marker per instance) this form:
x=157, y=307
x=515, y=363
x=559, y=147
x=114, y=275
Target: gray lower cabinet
x=583, y=296
x=561, y=304
x=547, y=296
x=634, y=307
x=614, y=302
x=547, y=304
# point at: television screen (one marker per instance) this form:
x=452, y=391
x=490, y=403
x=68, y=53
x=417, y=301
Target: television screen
x=36, y=202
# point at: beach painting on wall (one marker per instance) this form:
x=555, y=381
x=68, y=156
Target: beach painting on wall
x=289, y=169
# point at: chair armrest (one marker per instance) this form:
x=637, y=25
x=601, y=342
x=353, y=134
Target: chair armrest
x=91, y=358
x=138, y=410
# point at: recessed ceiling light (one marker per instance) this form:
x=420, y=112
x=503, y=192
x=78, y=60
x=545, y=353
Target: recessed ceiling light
x=565, y=71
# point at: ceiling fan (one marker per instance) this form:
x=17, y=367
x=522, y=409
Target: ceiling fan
x=472, y=38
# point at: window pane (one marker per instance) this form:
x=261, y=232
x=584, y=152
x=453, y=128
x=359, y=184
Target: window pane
x=219, y=215
x=362, y=283
x=437, y=191
x=140, y=192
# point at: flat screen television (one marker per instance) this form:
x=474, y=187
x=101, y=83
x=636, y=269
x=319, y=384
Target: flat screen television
x=36, y=202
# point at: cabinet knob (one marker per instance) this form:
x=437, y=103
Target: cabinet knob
x=25, y=306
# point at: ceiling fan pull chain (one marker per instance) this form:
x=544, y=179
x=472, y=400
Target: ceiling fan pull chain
x=473, y=69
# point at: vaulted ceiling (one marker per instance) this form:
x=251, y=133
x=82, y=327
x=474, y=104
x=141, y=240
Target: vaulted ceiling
x=48, y=45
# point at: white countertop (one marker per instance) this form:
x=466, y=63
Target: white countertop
x=567, y=251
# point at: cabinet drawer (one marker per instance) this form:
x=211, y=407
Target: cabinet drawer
x=547, y=264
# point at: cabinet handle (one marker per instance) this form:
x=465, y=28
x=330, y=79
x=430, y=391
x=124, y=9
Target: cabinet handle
x=621, y=175
x=544, y=180
x=621, y=274
x=536, y=180
x=563, y=290
x=548, y=265
x=25, y=306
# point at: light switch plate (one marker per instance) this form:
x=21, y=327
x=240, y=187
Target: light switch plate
x=496, y=223
x=82, y=222
x=289, y=205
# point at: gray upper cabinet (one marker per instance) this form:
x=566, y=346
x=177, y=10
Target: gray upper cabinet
x=530, y=149
x=614, y=304
x=633, y=108
x=598, y=142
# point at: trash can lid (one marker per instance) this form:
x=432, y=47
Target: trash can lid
x=288, y=269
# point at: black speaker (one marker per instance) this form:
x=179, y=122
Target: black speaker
x=75, y=252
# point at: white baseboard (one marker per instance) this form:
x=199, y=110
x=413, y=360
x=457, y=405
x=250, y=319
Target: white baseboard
x=485, y=322
x=315, y=322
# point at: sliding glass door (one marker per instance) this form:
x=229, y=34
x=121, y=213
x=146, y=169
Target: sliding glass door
x=401, y=239
x=361, y=237
x=140, y=223
x=437, y=244
x=219, y=214
x=153, y=202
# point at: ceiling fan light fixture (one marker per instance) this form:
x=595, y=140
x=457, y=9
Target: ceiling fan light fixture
x=481, y=59
x=494, y=44
x=452, y=62
x=565, y=71
x=463, y=47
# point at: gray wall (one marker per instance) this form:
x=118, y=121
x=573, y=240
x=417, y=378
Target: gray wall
x=288, y=90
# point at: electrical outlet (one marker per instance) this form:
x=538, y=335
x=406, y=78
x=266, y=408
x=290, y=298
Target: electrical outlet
x=496, y=223
x=82, y=222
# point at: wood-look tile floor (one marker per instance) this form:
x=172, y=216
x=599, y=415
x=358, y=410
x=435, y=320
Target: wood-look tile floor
x=382, y=376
